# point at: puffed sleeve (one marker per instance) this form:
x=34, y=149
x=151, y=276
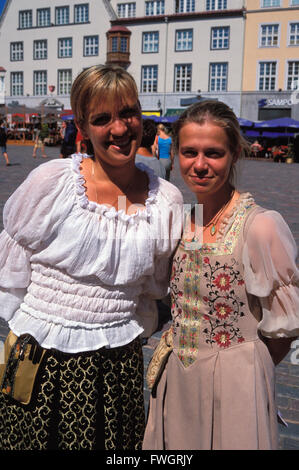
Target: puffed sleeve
x=271, y=274
x=26, y=219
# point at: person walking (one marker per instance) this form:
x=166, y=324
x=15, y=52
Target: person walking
x=84, y=253
x=3, y=140
x=163, y=149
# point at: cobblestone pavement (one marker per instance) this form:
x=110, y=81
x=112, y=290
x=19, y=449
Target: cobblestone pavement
x=274, y=185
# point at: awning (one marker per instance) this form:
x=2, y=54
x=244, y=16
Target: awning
x=173, y=111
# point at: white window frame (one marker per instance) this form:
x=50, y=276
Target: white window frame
x=183, y=44
x=220, y=37
x=16, y=83
x=43, y=17
x=184, y=6
x=25, y=19
x=267, y=88
x=296, y=34
x=40, y=82
x=16, y=51
x=126, y=10
x=62, y=15
x=212, y=5
x=81, y=13
x=149, y=80
x=219, y=81
x=294, y=76
x=150, y=42
x=40, y=49
x=65, y=48
x=91, y=45
x=182, y=78
x=271, y=3
x=155, y=7
x=269, y=35
x=64, y=81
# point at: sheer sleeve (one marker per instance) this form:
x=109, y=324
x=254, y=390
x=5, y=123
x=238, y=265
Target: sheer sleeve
x=271, y=274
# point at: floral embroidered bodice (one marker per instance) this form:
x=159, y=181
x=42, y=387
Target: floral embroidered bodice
x=210, y=308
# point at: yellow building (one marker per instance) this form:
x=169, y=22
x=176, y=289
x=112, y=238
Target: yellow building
x=271, y=59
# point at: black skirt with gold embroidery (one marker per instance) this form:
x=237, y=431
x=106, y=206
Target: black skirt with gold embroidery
x=84, y=401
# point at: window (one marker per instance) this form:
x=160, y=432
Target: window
x=149, y=78
x=294, y=34
x=293, y=75
x=216, y=4
x=16, y=51
x=43, y=17
x=123, y=44
x=91, y=46
x=16, y=84
x=40, y=49
x=184, y=40
x=220, y=37
x=81, y=13
x=40, y=82
x=270, y=3
x=182, y=77
x=184, y=6
x=150, y=42
x=25, y=19
x=294, y=2
x=267, y=76
x=157, y=7
x=65, y=47
x=62, y=15
x=126, y=10
x=269, y=35
x=64, y=81
x=218, y=76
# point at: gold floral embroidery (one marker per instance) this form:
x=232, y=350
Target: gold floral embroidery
x=191, y=316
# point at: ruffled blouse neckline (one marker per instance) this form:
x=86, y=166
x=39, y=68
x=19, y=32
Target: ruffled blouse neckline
x=108, y=211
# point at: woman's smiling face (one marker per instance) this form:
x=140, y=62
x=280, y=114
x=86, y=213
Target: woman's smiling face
x=205, y=157
x=115, y=131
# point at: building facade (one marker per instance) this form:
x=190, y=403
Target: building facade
x=174, y=49
x=182, y=49
x=271, y=60
x=45, y=44
x=243, y=52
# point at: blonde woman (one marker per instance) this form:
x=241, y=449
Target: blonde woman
x=235, y=302
x=84, y=253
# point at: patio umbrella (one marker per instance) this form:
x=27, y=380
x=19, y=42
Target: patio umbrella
x=245, y=122
x=285, y=122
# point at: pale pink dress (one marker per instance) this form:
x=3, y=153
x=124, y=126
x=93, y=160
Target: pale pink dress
x=218, y=388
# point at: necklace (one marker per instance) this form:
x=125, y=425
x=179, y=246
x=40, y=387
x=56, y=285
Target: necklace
x=126, y=189
x=217, y=216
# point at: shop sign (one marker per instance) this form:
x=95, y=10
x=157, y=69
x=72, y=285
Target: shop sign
x=275, y=102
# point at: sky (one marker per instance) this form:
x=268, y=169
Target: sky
x=2, y=2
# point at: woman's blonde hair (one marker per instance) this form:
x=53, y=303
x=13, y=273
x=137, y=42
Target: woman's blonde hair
x=221, y=115
x=101, y=83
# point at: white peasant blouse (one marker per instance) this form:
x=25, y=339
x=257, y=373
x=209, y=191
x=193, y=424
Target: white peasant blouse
x=78, y=275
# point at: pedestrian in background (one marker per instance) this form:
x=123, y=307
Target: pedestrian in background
x=145, y=154
x=68, y=146
x=163, y=149
x=3, y=140
x=40, y=136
